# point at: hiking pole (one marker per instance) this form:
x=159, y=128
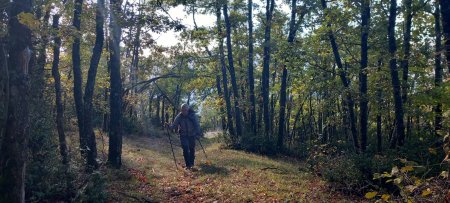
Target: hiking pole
x=202, y=147
x=171, y=147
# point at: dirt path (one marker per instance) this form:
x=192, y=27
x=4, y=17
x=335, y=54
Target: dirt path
x=150, y=175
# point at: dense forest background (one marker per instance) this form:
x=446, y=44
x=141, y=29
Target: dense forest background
x=358, y=90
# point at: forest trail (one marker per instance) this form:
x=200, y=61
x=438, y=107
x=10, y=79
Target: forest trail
x=149, y=175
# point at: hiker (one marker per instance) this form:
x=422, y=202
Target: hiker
x=186, y=122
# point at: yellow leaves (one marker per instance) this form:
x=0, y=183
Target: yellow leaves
x=432, y=151
x=407, y=169
x=28, y=20
x=426, y=192
x=444, y=174
x=370, y=195
x=385, y=197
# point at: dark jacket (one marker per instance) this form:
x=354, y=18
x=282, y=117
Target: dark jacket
x=187, y=125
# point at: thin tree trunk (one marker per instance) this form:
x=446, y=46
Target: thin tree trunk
x=406, y=48
x=237, y=109
x=398, y=103
x=270, y=5
x=77, y=75
x=251, y=79
x=379, y=94
x=4, y=89
x=364, y=100
x=224, y=74
x=116, y=125
x=89, y=89
x=14, y=149
x=342, y=74
x=222, y=110
x=293, y=27
x=59, y=104
x=438, y=72
x=445, y=13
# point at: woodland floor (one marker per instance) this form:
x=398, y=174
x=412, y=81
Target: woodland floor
x=149, y=175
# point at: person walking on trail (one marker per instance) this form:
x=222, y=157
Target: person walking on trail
x=187, y=124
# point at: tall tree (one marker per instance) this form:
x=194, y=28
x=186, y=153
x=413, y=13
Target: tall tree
x=58, y=97
x=363, y=104
x=77, y=76
x=251, y=79
x=270, y=5
x=438, y=72
x=445, y=13
x=224, y=72
x=116, y=125
x=406, y=47
x=14, y=149
x=234, y=85
x=343, y=76
x=293, y=27
x=398, y=103
x=89, y=89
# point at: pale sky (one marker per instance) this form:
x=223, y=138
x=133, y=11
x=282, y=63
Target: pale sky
x=170, y=38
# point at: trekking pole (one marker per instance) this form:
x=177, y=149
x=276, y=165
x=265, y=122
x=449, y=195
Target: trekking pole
x=171, y=147
x=202, y=147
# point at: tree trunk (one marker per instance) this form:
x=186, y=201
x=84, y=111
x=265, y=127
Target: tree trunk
x=343, y=75
x=222, y=110
x=251, y=79
x=438, y=72
x=14, y=147
x=398, y=103
x=4, y=89
x=237, y=109
x=224, y=75
x=77, y=75
x=116, y=125
x=406, y=48
x=89, y=89
x=445, y=12
x=270, y=5
x=364, y=100
x=293, y=27
x=379, y=94
x=59, y=104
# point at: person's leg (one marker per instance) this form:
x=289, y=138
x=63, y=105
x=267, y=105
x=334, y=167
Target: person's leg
x=191, y=150
x=185, y=145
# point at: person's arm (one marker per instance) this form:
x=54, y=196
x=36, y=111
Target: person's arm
x=175, y=123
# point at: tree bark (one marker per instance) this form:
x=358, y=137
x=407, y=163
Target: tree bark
x=77, y=75
x=445, y=13
x=364, y=100
x=343, y=75
x=4, y=89
x=222, y=110
x=398, y=103
x=116, y=125
x=224, y=75
x=438, y=72
x=251, y=79
x=90, y=85
x=237, y=109
x=14, y=149
x=406, y=48
x=293, y=27
x=379, y=94
x=59, y=103
x=270, y=5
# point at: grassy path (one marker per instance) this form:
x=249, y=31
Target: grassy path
x=149, y=175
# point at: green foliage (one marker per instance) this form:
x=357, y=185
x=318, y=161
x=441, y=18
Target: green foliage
x=95, y=190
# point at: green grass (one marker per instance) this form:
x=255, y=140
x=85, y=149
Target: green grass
x=149, y=174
